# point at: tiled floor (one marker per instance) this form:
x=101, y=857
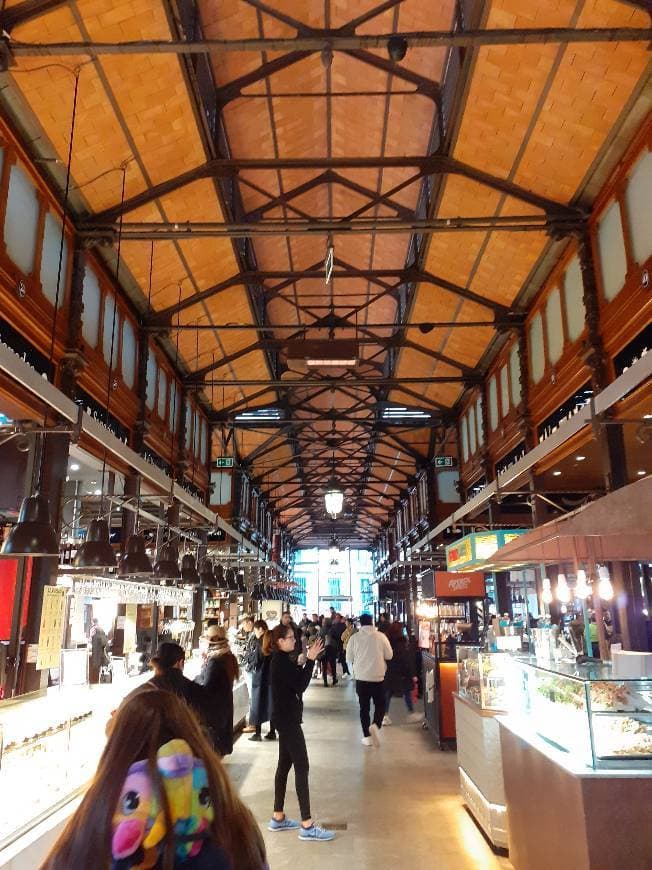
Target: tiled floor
x=400, y=803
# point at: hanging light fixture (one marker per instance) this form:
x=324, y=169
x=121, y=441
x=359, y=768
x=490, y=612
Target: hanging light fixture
x=334, y=501
x=167, y=566
x=546, y=592
x=218, y=572
x=563, y=592
x=96, y=551
x=605, y=586
x=135, y=559
x=333, y=551
x=34, y=535
x=189, y=575
x=582, y=587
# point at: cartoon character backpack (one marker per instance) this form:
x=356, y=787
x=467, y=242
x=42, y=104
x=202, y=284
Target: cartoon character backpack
x=139, y=823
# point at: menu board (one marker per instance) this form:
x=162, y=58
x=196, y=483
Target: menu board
x=51, y=629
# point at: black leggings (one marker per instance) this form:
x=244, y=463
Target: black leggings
x=329, y=661
x=292, y=751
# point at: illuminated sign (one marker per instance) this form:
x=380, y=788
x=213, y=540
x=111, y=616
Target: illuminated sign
x=474, y=549
x=453, y=584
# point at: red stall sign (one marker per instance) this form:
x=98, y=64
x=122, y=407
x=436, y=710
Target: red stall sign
x=458, y=584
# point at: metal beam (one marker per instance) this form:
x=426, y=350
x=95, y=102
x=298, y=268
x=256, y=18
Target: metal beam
x=334, y=40
x=426, y=165
x=274, y=384
x=26, y=11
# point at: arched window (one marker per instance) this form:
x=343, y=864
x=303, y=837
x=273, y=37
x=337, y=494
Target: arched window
x=21, y=220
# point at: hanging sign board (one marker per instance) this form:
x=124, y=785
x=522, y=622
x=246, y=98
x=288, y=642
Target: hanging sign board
x=477, y=547
x=50, y=633
x=457, y=584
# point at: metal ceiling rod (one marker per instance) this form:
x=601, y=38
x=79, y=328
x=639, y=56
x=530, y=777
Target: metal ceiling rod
x=423, y=326
x=335, y=41
x=169, y=230
x=330, y=382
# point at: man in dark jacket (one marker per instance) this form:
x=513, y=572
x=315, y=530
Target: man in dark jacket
x=99, y=657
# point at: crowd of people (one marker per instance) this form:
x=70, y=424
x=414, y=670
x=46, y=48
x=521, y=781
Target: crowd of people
x=162, y=799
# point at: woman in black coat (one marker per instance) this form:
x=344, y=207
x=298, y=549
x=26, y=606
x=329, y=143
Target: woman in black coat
x=260, y=708
x=219, y=673
x=399, y=677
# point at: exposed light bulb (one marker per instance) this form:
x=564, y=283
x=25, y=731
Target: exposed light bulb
x=546, y=592
x=563, y=592
x=605, y=586
x=582, y=588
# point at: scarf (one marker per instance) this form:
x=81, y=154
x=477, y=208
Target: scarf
x=219, y=648
x=139, y=824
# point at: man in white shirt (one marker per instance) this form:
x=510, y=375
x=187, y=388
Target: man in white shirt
x=367, y=654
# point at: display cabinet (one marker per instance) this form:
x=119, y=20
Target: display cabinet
x=485, y=677
x=605, y=722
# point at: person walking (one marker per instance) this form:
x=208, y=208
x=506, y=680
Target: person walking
x=289, y=682
x=399, y=678
x=329, y=658
x=249, y=661
x=367, y=653
x=160, y=798
x=261, y=700
x=217, y=676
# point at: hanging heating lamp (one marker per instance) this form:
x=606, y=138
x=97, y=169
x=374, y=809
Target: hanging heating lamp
x=135, y=559
x=563, y=592
x=605, y=586
x=96, y=551
x=189, y=575
x=33, y=534
x=206, y=576
x=582, y=587
x=167, y=566
x=334, y=500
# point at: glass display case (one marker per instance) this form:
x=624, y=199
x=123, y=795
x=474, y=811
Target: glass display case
x=604, y=721
x=484, y=677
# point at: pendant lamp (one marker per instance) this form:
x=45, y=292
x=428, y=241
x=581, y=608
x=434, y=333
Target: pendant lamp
x=96, y=551
x=33, y=534
x=189, y=575
x=135, y=560
x=218, y=573
x=206, y=576
x=167, y=567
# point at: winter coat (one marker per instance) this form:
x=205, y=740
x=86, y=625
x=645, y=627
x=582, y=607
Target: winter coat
x=214, y=677
x=398, y=678
x=250, y=654
x=260, y=707
x=289, y=682
x=347, y=634
x=99, y=640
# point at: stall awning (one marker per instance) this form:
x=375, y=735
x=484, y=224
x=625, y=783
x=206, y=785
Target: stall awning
x=616, y=527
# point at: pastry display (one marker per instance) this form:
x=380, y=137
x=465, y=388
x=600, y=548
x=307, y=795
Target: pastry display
x=622, y=736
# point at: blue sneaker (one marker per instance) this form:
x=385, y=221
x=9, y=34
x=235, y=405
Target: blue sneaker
x=283, y=825
x=314, y=832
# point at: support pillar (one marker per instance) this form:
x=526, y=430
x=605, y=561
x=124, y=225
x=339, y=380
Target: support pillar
x=73, y=361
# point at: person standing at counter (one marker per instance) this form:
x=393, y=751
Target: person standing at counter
x=289, y=682
x=218, y=674
x=261, y=699
x=368, y=652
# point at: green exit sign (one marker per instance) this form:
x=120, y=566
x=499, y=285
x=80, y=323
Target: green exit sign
x=224, y=462
x=444, y=461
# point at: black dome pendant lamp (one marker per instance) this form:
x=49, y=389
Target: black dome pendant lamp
x=189, y=575
x=135, y=560
x=96, y=551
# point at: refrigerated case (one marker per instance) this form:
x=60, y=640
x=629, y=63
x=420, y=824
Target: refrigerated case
x=602, y=721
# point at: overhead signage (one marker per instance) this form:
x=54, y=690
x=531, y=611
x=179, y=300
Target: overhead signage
x=224, y=462
x=444, y=461
x=453, y=584
x=472, y=550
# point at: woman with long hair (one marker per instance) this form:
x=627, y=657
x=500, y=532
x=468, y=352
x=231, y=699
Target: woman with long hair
x=160, y=799
x=218, y=674
x=261, y=701
x=289, y=682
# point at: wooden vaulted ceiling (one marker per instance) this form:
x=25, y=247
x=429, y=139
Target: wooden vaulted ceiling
x=535, y=117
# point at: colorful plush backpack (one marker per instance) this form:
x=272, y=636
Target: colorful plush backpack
x=139, y=822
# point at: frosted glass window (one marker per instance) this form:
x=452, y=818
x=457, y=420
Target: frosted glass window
x=128, y=353
x=465, y=439
x=554, y=326
x=162, y=394
x=50, y=259
x=21, y=221
x=514, y=376
x=151, y=379
x=504, y=391
x=472, y=431
x=188, y=426
x=493, y=403
x=574, y=299
x=92, y=299
x=535, y=343
x=478, y=420
x=110, y=334
x=638, y=198
x=613, y=260
x=197, y=428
